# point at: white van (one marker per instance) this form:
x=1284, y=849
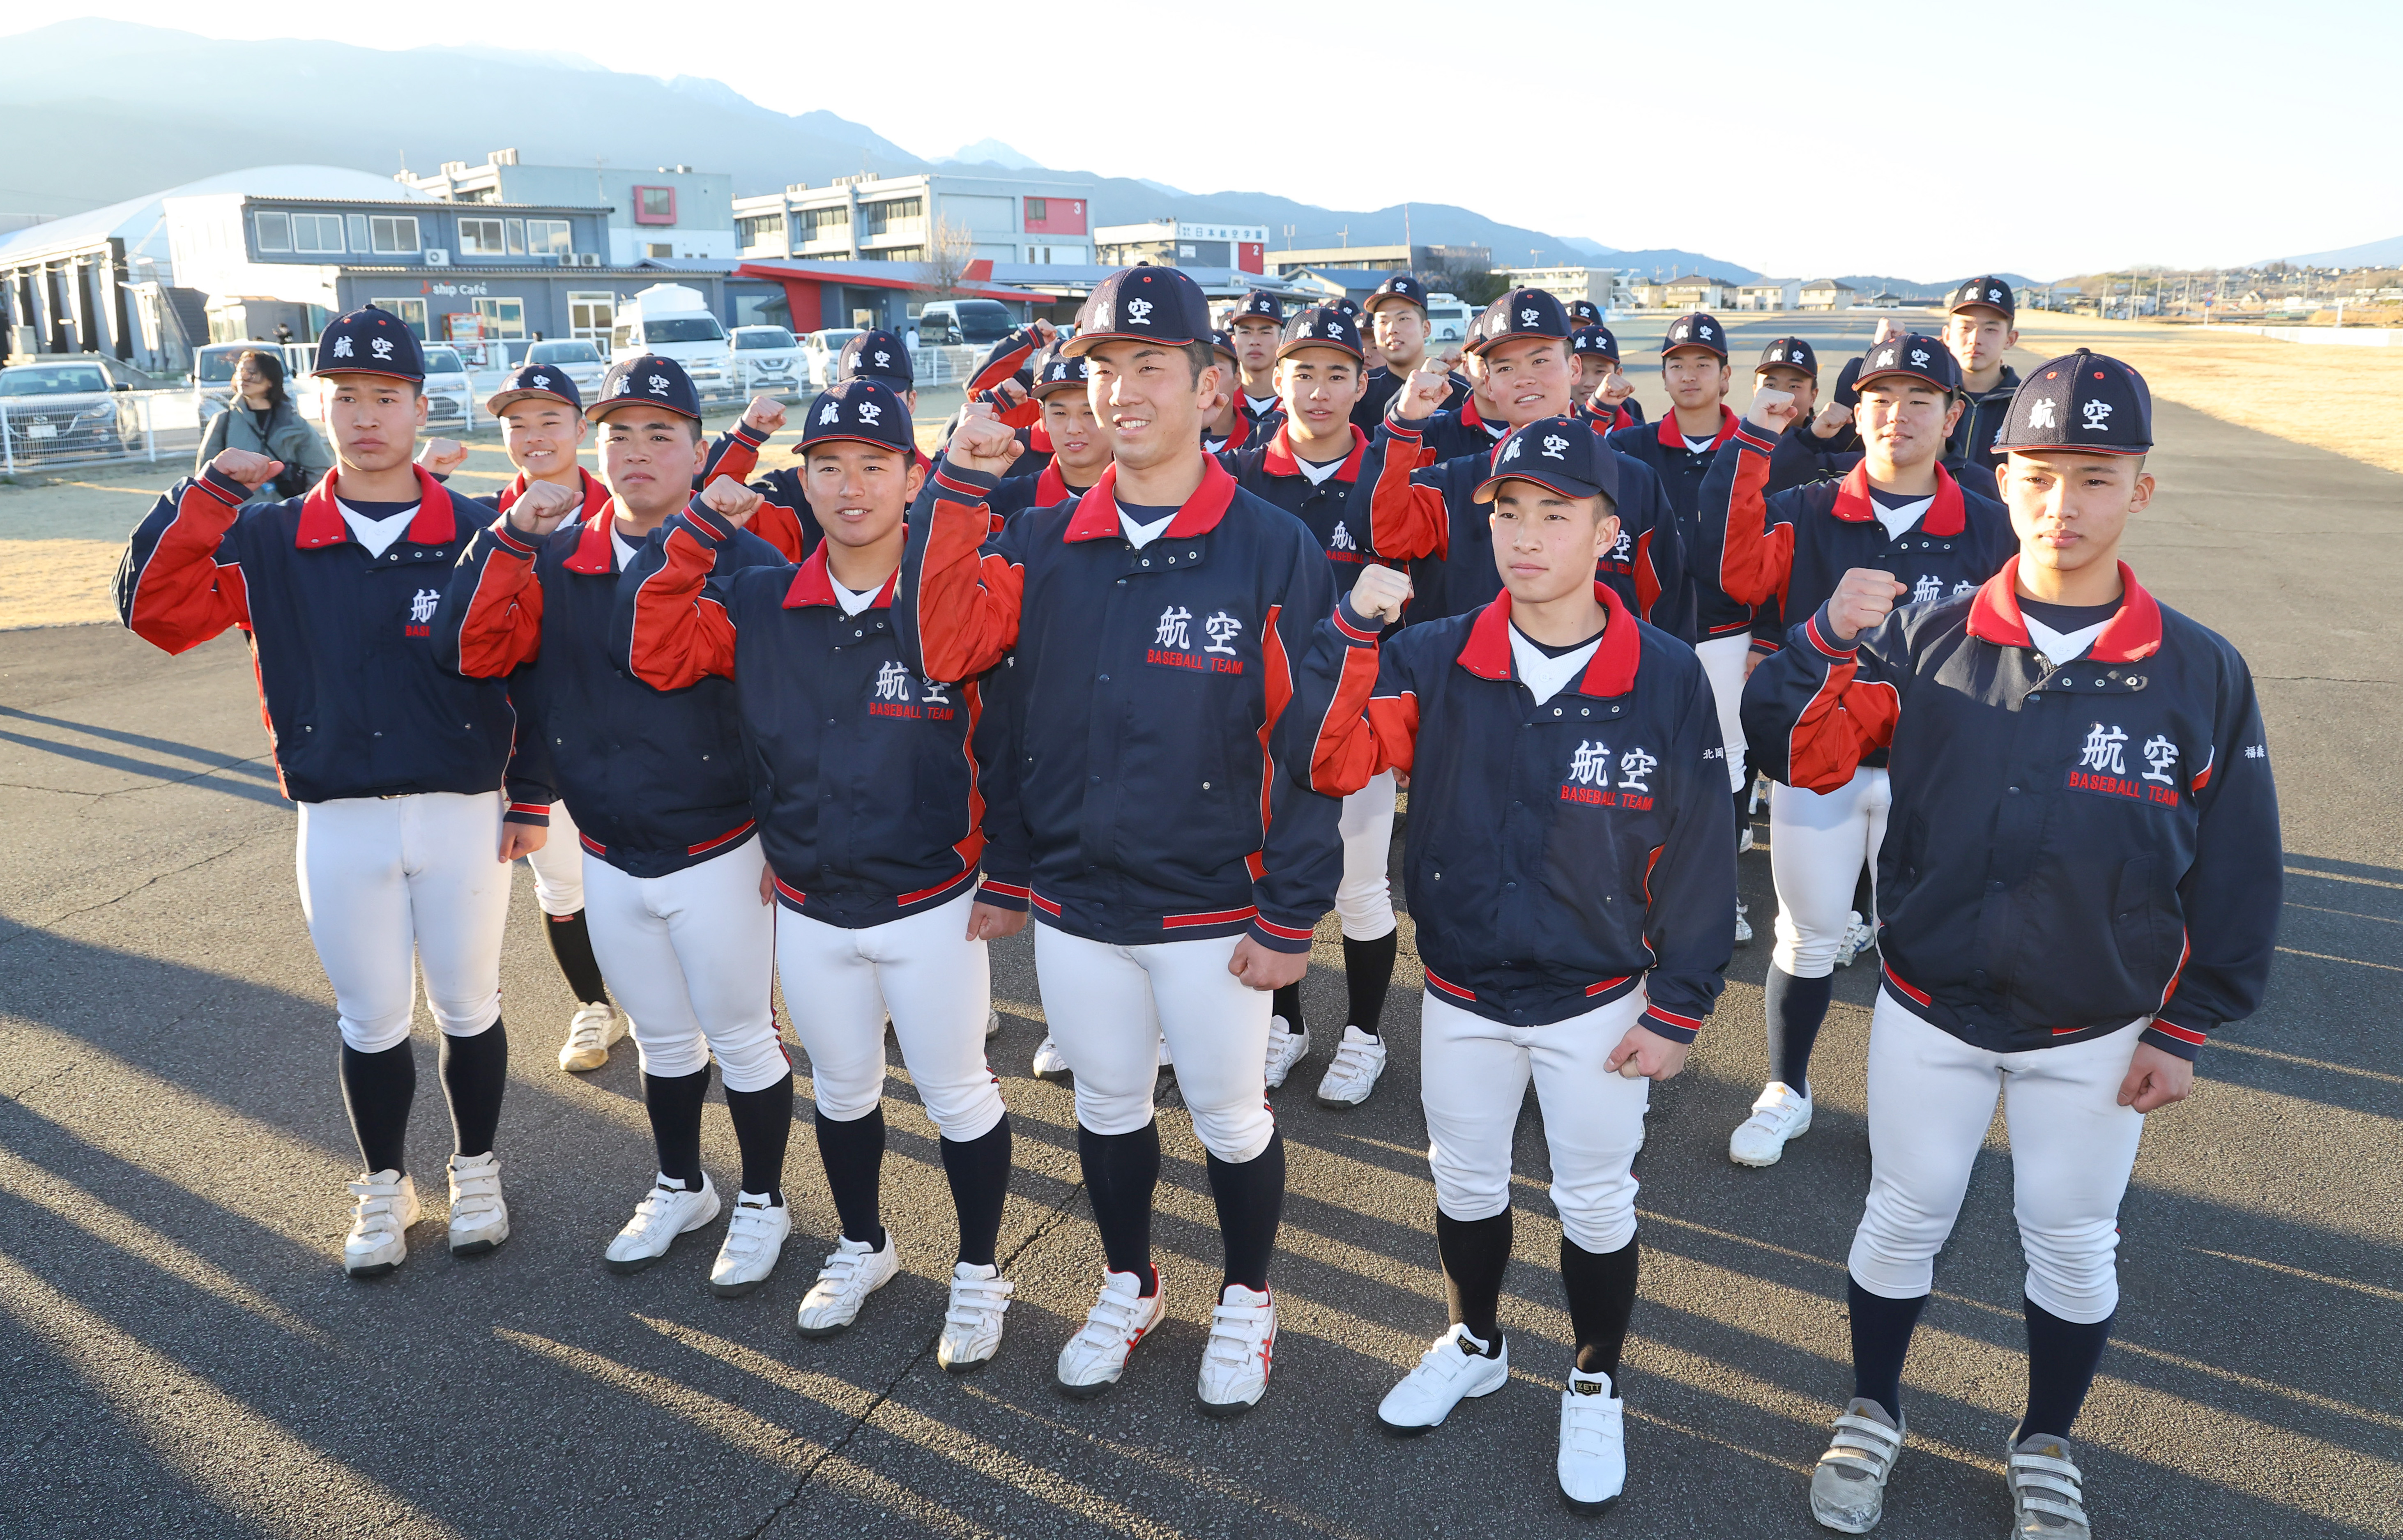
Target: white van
x=674, y=322
x=1448, y=317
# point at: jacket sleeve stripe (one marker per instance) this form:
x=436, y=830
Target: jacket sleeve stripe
x=1406, y=520
x=966, y=600
x=1755, y=557
x=500, y=626
x=172, y=592
x=680, y=634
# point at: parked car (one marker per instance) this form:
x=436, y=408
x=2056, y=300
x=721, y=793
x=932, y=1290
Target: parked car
x=766, y=360
x=576, y=358
x=213, y=372
x=450, y=393
x=69, y=410
x=824, y=349
x=1447, y=318
x=973, y=323
x=674, y=320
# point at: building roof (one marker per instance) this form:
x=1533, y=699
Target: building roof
x=1698, y=278
x=1829, y=283
x=142, y=222
x=872, y=275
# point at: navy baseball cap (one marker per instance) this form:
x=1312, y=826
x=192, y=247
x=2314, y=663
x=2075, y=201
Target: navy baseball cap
x=1596, y=340
x=1914, y=353
x=1989, y=291
x=1321, y=326
x=1142, y=304
x=1695, y=329
x=1563, y=453
x=1258, y=305
x=1401, y=286
x=536, y=381
x=862, y=409
x=1791, y=352
x=2080, y=401
x=370, y=341
x=646, y=381
x=1057, y=372
x=1584, y=312
x=877, y=356
x=1521, y=313
x=1224, y=342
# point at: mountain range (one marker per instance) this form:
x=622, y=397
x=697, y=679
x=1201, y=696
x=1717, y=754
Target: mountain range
x=102, y=110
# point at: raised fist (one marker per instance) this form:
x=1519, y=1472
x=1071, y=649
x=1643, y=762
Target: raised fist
x=765, y=413
x=1831, y=418
x=981, y=442
x=253, y=471
x=1424, y=392
x=730, y=500
x=1008, y=396
x=543, y=506
x=1044, y=333
x=1888, y=329
x=1380, y=593
x=1863, y=599
x=441, y=456
x=1616, y=387
x=1772, y=409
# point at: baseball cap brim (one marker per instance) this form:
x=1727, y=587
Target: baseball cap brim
x=601, y=408
x=2120, y=451
x=1045, y=389
x=379, y=374
x=806, y=444
x=1712, y=348
x=500, y=401
x=1866, y=376
x=1085, y=342
x=1287, y=350
x=1565, y=485
x=1368, y=306
x=897, y=383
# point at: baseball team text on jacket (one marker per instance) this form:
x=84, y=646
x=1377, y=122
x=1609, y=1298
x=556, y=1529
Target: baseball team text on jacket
x=868, y=779
x=1558, y=854
x=2071, y=848
x=1160, y=774
x=357, y=702
x=1424, y=514
x=1787, y=551
x=1269, y=471
x=656, y=780
x=1680, y=472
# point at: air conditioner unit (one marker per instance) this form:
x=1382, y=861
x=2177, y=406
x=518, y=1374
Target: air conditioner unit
x=588, y=258
x=436, y=256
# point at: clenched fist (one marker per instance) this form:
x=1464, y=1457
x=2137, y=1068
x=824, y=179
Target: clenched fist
x=543, y=506
x=730, y=500
x=1831, y=419
x=441, y=456
x=1616, y=387
x=1771, y=410
x=253, y=471
x=1424, y=392
x=1380, y=595
x=1863, y=599
x=1888, y=329
x=765, y=413
x=981, y=442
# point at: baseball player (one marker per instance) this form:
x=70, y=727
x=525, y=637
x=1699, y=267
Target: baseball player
x=1229, y=426
x=1791, y=363
x=2082, y=885
x=1568, y=870
x=1397, y=329
x=1180, y=863
x=1899, y=511
x=1256, y=325
x=1603, y=386
x=1308, y=466
x=664, y=798
x=873, y=789
x=542, y=418
x=1980, y=326
x=397, y=765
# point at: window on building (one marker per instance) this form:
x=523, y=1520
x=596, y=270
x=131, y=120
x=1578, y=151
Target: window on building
x=517, y=238
x=890, y=215
x=655, y=205
x=548, y=237
x=317, y=233
x=501, y=317
x=900, y=253
x=411, y=311
x=759, y=229
x=358, y=223
x=825, y=224
x=394, y=234
x=482, y=238
x=1038, y=211
x=274, y=231
x=658, y=248
x=590, y=316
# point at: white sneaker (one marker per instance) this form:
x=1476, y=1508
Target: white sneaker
x=1744, y=839
x=853, y=1271
x=589, y=1033
x=1858, y=938
x=1848, y=1489
x=1742, y=926
x=1352, y=1074
x=1286, y=1049
x=1242, y=1342
x=384, y=1205
x=992, y=1023
x=1781, y=1112
x=1120, y=1317
x=1593, y=1443
x=666, y=1212
x=755, y=1239
x=2048, y=1490
x=480, y=1220
x=1050, y=1062
x=972, y=1324
x=1451, y=1371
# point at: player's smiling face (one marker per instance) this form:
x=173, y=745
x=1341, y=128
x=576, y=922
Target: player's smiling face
x=1400, y=333
x=1545, y=544
x=1527, y=379
x=374, y=420
x=1905, y=419
x=649, y=456
x=1694, y=377
x=1786, y=377
x=1077, y=446
x=543, y=436
x=1318, y=387
x=1148, y=401
x=859, y=492
x=2068, y=508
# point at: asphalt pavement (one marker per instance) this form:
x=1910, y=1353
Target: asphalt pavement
x=183, y=1355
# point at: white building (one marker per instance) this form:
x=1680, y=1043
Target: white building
x=1775, y=294
x=667, y=213
x=1597, y=285
x=1013, y=219
x=1183, y=244
x=1825, y=294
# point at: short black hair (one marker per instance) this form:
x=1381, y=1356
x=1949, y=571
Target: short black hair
x=1199, y=355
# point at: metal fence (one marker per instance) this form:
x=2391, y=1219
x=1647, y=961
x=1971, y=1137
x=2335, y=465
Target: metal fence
x=37, y=435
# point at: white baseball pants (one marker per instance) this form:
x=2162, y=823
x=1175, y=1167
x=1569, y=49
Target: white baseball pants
x=1817, y=842
x=1722, y=660
x=391, y=884
x=1109, y=1006
x=1363, y=899
x=1473, y=1077
x=1931, y=1097
x=690, y=958
x=938, y=985
x=559, y=866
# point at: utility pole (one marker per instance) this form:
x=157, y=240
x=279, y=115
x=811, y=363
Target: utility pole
x=1409, y=247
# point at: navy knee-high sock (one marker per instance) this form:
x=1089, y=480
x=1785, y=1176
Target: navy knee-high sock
x=1601, y=1286
x=1475, y=1252
x=1368, y=976
x=2063, y=1356
x=1121, y=1173
x=674, y=1101
x=1251, y=1200
x=854, y=1155
x=376, y=1089
x=475, y=1071
x=1796, y=1008
x=1286, y=1001
x=763, y=1128
x=571, y=946
x=978, y=1172
x=1880, y=1341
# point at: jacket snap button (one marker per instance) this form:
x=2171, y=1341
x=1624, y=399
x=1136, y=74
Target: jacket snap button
x=2015, y=791
x=1102, y=679
x=1205, y=786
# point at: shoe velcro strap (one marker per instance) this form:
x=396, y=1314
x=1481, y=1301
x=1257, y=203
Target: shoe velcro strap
x=1876, y=1430
x=2044, y=1465
x=2039, y=1502
x=2032, y=1487
x=1868, y=1463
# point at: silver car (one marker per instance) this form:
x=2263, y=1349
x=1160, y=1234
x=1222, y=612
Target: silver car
x=68, y=410
x=579, y=360
x=766, y=360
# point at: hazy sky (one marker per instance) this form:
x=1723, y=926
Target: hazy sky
x=1797, y=138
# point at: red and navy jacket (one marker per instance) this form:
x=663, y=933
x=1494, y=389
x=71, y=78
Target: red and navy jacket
x=1787, y=551
x=356, y=698
x=1803, y=457
x=1973, y=436
x=1558, y=854
x=656, y=781
x=595, y=493
x=784, y=519
x=873, y=784
x=1680, y=470
x=1424, y=514
x=1378, y=392
x=1270, y=472
x=1161, y=772
x=1016, y=493
x=2072, y=847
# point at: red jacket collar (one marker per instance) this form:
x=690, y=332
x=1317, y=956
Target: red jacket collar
x=1469, y=416
x=1279, y=460
x=2133, y=632
x=1051, y=487
x=322, y=523
x=814, y=585
x=1097, y=512
x=1674, y=437
x=594, y=554
x=1611, y=672
x=1038, y=437
x=1945, y=517
x=596, y=495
